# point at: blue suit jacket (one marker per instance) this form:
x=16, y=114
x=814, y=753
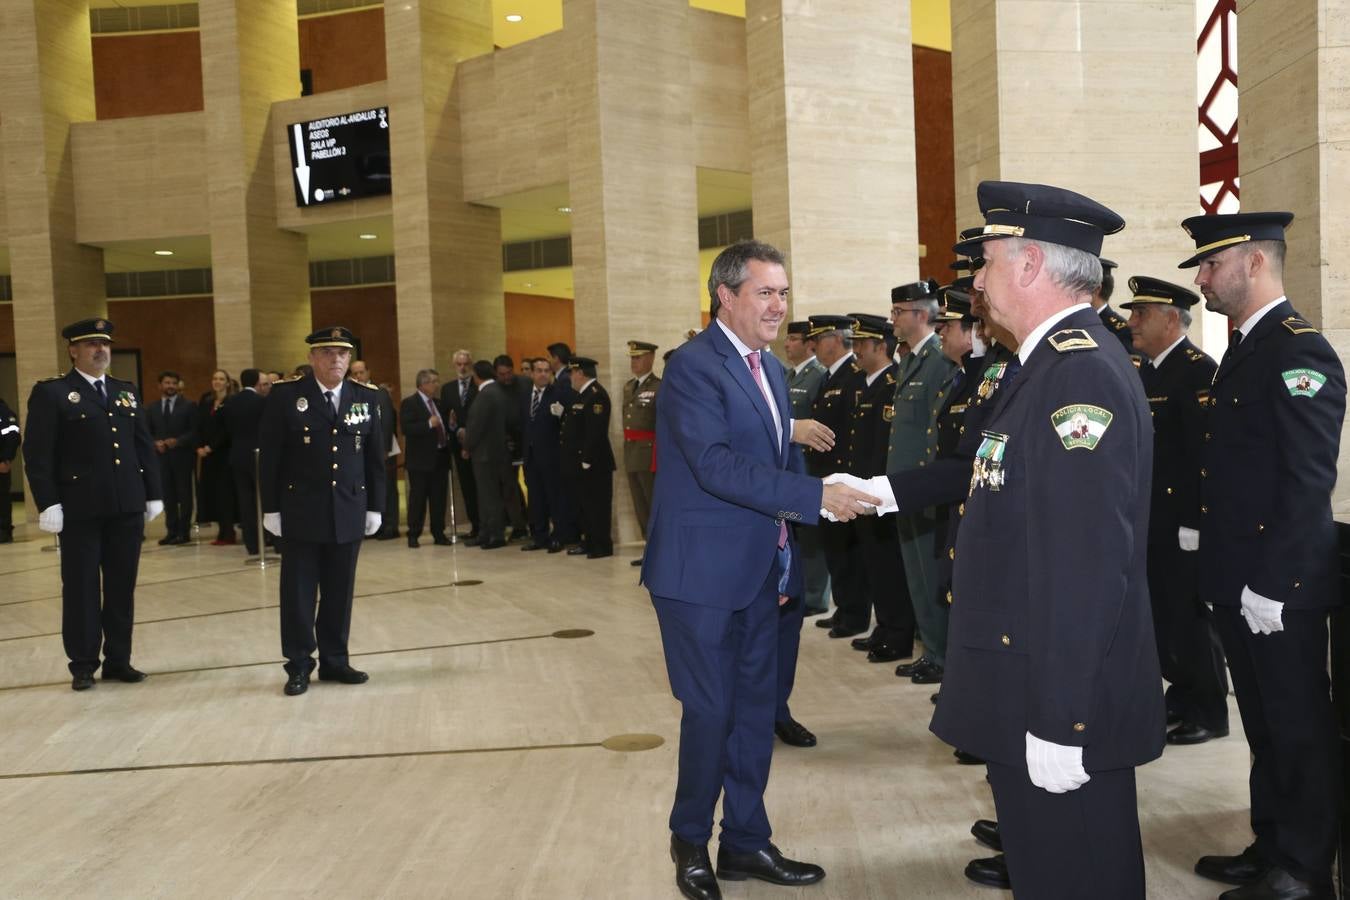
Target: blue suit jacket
x=723, y=481
x=543, y=433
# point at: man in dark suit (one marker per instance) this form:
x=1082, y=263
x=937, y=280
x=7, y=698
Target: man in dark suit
x=426, y=457
x=1052, y=674
x=1268, y=551
x=173, y=425
x=360, y=372
x=718, y=566
x=1115, y=323
x=94, y=475
x=240, y=417
x=542, y=414
x=566, y=527
x=9, y=446
x=322, y=487
x=485, y=439
x=456, y=397
x=516, y=386
x=588, y=459
x=1177, y=378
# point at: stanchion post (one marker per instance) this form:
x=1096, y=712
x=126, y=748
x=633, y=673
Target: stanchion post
x=262, y=559
x=450, y=483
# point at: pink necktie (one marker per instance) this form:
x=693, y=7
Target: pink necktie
x=753, y=358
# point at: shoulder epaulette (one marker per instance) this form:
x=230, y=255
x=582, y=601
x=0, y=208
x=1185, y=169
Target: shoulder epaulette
x=52, y=378
x=1137, y=360
x=890, y=378
x=369, y=387
x=1298, y=326
x=1194, y=355
x=1119, y=324
x=290, y=379
x=1071, y=339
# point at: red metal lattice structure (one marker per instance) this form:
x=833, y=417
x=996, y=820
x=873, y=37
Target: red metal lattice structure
x=1219, y=165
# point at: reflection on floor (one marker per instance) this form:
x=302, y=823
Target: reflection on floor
x=472, y=764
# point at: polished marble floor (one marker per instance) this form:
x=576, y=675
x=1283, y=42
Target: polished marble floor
x=472, y=763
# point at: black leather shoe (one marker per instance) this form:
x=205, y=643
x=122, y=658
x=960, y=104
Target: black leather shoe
x=122, y=673
x=532, y=545
x=885, y=653
x=986, y=832
x=636, y=562
x=794, y=733
x=992, y=871
x=165, y=541
x=1173, y=720
x=599, y=554
x=1190, y=733
x=839, y=631
x=578, y=550
x=693, y=871
x=826, y=622
x=1280, y=885
x=441, y=541
x=811, y=612
x=344, y=674
x=385, y=535
x=870, y=642
x=907, y=670
x=297, y=684
x=492, y=545
x=412, y=542
x=1248, y=867
x=81, y=681
x=470, y=541
x=555, y=547
x=766, y=865
x=967, y=759
x=929, y=674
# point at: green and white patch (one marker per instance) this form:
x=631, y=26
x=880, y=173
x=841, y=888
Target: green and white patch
x=1303, y=382
x=1081, y=425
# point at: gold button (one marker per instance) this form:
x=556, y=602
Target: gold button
x=1235, y=401
x=951, y=553
x=1260, y=528
x=921, y=462
x=1204, y=510
x=335, y=448
x=963, y=429
x=117, y=462
x=961, y=510
x=114, y=428
x=1298, y=584
x=1204, y=473
x=335, y=484
x=1007, y=641
x=74, y=478
x=949, y=598
x=335, y=431
x=1169, y=490
x=1079, y=727
x=307, y=428
x=930, y=431
x=335, y=465
x=1206, y=435
x=116, y=446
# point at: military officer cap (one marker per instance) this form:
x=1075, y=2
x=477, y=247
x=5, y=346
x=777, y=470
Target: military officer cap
x=638, y=348
x=969, y=263
x=866, y=325
x=919, y=290
x=584, y=362
x=88, y=330
x=1156, y=292
x=1040, y=212
x=956, y=301
x=802, y=328
x=333, y=336
x=1106, y=263
x=1214, y=233
x=826, y=324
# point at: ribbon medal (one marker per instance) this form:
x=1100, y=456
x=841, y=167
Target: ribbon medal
x=988, y=468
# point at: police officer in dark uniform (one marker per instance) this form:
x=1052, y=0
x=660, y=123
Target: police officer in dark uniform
x=1176, y=377
x=1268, y=551
x=90, y=462
x=1101, y=301
x=321, y=465
x=9, y=446
x=588, y=458
x=1052, y=673
x=833, y=408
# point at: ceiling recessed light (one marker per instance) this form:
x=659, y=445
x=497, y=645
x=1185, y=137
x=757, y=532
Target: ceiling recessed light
x=564, y=209
x=164, y=253
x=514, y=17
x=367, y=236
x=529, y=284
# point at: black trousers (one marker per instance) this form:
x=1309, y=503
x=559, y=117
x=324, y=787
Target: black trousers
x=389, y=524
x=883, y=577
x=543, y=484
x=568, y=525
x=246, y=498
x=176, y=470
x=1283, y=695
x=467, y=486
x=428, y=488
x=6, y=507
x=323, y=574
x=1079, y=845
x=843, y=558
x=108, y=547
x=498, y=499
x=595, y=491
x=1188, y=646
x=790, y=617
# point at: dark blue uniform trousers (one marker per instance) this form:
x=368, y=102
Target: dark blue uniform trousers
x=723, y=668
x=322, y=573
x=110, y=546
x=1079, y=845
x=790, y=617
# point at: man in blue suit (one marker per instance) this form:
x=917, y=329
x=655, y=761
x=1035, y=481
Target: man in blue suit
x=541, y=411
x=718, y=564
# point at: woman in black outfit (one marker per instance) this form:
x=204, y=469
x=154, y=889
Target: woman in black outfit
x=215, y=485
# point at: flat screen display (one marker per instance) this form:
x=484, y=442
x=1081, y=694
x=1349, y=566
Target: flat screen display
x=340, y=158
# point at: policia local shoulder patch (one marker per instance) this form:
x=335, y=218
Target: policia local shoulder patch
x=1303, y=382
x=1080, y=425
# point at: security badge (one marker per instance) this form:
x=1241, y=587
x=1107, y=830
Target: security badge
x=302, y=404
x=1303, y=382
x=73, y=396
x=988, y=468
x=992, y=376
x=1080, y=425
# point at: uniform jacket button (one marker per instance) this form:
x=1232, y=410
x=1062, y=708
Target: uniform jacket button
x=1204, y=510
x=1204, y=473
x=949, y=598
x=951, y=553
x=1298, y=584
x=1079, y=727
x=1006, y=641
x=961, y=510
x=1260, y=528
x=1169, y=491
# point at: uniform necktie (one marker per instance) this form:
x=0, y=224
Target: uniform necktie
x=436, y=416
x=102, y=396
x=1234, y=338
x=753, y=359
x=534, y=401
x=332, y=406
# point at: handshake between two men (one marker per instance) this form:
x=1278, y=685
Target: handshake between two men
x=844, y=497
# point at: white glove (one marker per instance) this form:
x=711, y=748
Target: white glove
x=1188, y=539
x=152, y=510
x=877, y=486
x=1055, y=767
x=373, y=520
x=1263, y=615
x=272, y=523
x=556, y=408
x=52, y=519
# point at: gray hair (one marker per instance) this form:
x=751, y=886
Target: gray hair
x=845, y=337
x=462, y=352
x=425, y=376
x=730, y=266
x=1076, y=271
x=1184, y=316
x=930, y=307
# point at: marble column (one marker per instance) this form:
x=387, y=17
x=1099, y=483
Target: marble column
x=1096, y=97
x=46, y=84
x=448, y=252
x=250, y=59
x=1294, y=127
x=832, y=148
x=634, y=193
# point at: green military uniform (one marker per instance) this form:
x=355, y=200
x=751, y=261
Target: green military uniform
x=639, y=436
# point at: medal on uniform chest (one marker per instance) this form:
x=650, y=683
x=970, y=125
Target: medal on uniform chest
x=988, y=468
x=991, y=379
x=358, y=442
x=73, y=396
x=302, y=404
